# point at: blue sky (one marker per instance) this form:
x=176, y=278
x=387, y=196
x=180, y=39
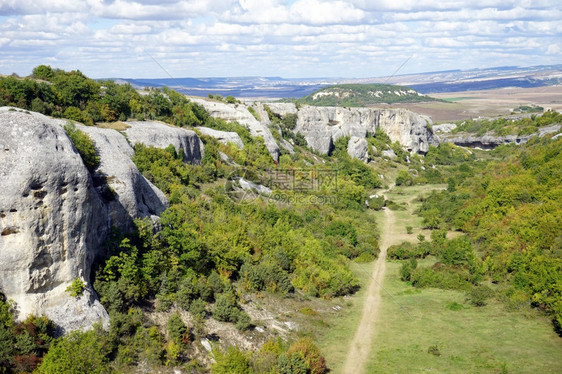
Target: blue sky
x=287, y=38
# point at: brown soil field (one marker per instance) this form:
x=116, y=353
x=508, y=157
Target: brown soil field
x=486, y=103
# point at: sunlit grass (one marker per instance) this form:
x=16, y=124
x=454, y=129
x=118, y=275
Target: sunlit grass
x=489, y=339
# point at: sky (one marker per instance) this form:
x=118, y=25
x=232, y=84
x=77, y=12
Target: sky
x=284, y=38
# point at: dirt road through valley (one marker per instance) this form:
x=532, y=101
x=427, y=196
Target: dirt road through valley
x=361, y=344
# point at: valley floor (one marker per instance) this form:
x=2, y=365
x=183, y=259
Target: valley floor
x=431, y=330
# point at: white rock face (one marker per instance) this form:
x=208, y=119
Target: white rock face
x=283, y=108
x=444, y=127
x=136, y=197
x=239, y=113
x=161, y=135
x=322, y=126
x=223, y=137
x=52, y=221
x=358, y=148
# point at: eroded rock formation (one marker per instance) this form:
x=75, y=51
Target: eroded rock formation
x=55, y=215
x=322, y=126
x=161, y=135
x=240, y=113
x=53, y=221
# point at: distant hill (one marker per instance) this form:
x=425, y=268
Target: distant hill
x=425, y=83
x=358, y=95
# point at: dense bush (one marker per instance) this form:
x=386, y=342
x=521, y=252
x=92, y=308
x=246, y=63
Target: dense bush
x=78, y=352
x=84, y=145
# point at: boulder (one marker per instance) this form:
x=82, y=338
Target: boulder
x=161, y=135
x=389, y=153
x=358, y=148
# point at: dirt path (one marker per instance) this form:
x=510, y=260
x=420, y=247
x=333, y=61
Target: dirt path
x=361, y=344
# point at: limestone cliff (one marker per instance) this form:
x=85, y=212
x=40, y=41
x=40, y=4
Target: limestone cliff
x=240, y=113
x=54, y=216
x=322, y=126
x=223, y=137
x=53, y=221
x=135, y=196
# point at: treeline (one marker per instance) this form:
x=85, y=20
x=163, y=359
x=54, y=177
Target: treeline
x=74, y=96
x=510, y=214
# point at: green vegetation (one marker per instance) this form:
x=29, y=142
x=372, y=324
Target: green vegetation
x=302, y=356
x=285, y=124
x=508, y=126
x=470, y=339
x=217, y=243
x=84, y=145
x=73, y=96
x=78, y=352
x=359, y=95
x=509, y=214
x=22, y=344
x=76, y=288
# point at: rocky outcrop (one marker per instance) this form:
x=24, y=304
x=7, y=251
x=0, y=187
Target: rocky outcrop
x=54, y=216
x=223, y=137
x=358, y=148
x=491, y=141
x=131, y=195
x=161, y=135
x=322, y=126
x=444, y=127
x=240, y=113
x=283, y=108
x=409, y=129
x=52, y=221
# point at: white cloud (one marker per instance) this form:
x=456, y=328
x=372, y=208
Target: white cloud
x=273, y=37
x=318, y=12
x=554, y=49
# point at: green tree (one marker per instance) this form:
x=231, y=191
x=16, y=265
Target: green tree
x=77, y=353
x=43, y=72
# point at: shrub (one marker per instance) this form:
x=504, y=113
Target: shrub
x=225, y=308
x=307, y=349
x=404, y=178
x=177, y=330
x=434, y=350
x=76, y=288
x=406, y=269
x=84, y=145
x=197, y=309
x=244, y=321
x=479, y=294
x=406, y=250
x=231, y=361
x=78, y=352
x=376, y=203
